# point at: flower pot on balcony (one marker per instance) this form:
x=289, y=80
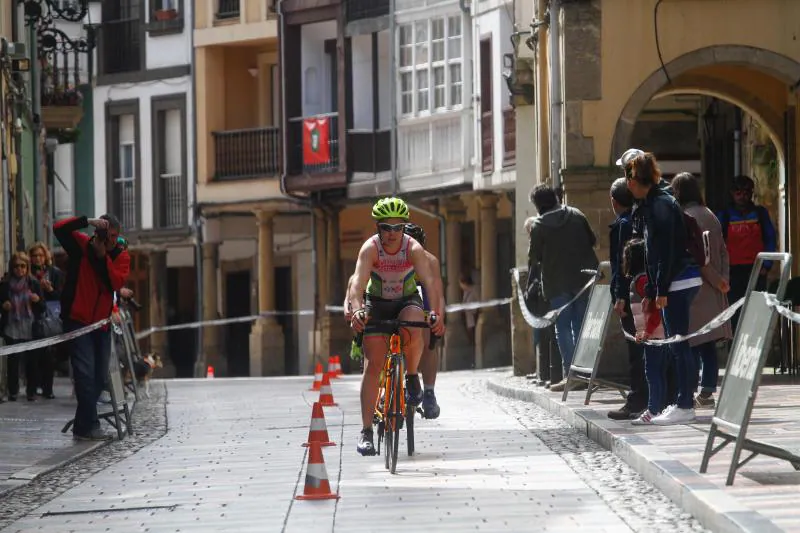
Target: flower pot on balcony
x=166, y=14
x=61, y=116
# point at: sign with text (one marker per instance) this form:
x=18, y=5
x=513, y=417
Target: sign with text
x=593, y=330
x=316, y=141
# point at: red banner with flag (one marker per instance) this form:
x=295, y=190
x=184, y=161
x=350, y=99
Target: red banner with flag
x=316, y=137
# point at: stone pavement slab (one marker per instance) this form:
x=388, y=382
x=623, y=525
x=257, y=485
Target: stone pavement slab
x=232, y=460
x=765, y=493
x=31, y=442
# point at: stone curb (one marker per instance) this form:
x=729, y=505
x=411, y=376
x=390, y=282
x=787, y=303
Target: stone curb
x=712, y=506
x=47, y=465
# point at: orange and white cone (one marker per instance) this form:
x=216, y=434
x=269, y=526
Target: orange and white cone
x=332, y=366
x=317, y=378
x=318, y=431
x=317, y=486
x=338, y=362
x=325, y=392
x=210, y=372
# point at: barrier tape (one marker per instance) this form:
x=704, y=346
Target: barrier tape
x=51, y=341
x=713, y=324
x=452, y=308
x=220, y=322
x=541, y=322
x=782, y=309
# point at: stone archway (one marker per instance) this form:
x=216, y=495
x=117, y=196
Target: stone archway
x=776, y=65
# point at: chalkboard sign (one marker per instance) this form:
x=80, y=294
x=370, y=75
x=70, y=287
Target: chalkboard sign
x=590, y=344
x=751, y=344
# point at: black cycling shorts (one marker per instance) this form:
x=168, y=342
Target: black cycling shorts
x=381, y=309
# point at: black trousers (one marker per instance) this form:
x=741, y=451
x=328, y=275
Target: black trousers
x=28, y=361
x=637, y=397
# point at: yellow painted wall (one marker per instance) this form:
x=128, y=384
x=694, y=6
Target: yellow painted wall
x=629, y=54
x=201, y=14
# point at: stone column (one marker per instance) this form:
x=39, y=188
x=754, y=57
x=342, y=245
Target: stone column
x=336, y=333
x=158, y=309
x=267, y=345
x=459, y=353
x=211, y=334
x=321, y=272
x=490, y=337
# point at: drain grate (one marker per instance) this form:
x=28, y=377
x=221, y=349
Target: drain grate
x=112, y=510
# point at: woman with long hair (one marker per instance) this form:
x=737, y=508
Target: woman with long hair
x=52, y=281
x=22, y=303
x=712, y=298
x=673, y=277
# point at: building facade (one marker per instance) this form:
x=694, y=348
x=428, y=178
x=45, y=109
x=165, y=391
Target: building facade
x=704, y=97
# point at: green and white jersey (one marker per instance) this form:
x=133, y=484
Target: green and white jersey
x=392, y=276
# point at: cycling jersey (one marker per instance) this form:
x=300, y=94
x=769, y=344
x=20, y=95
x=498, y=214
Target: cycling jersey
x=392, y=276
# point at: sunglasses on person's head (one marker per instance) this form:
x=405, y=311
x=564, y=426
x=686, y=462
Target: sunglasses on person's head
x=395, y=228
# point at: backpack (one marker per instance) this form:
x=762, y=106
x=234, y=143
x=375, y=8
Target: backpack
x=696, y=240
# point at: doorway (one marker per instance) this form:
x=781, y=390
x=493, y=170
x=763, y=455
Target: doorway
x=237, y=336
x=182, y=308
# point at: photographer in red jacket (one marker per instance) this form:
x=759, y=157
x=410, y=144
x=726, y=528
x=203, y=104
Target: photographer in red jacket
x=97, y=267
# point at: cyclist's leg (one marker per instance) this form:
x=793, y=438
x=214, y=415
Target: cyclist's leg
x=374, y=354
x=412, y=347
x=429, y=365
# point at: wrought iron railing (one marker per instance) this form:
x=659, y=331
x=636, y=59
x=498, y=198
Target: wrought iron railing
x=172, y=202
x=251, y=153
x=509, y=137
x=227, y=9
x=124, y=201
x=325, y=160
x=121, y=46
x=365, y=9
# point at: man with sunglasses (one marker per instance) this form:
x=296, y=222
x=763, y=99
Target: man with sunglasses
x=748, y=231
x=386, y=269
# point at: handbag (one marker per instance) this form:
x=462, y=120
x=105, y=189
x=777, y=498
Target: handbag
x=48, y=325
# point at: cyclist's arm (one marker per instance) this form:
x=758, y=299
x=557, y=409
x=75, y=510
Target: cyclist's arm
x=348, y=308
x=366, y=258
x=437, y=273
x=422, y=266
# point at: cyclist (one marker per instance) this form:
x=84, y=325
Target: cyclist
x=429, y=362
x=386, y=268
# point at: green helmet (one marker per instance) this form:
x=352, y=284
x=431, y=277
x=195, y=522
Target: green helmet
x=390, y=208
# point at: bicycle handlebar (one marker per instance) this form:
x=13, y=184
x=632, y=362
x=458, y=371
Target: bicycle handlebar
x=397, y=324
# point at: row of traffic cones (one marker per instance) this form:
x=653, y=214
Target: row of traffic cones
x=317, y=486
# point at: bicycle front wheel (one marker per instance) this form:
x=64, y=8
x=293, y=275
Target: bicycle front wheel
x=397, y=412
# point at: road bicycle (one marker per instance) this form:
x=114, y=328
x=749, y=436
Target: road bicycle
x=390, y=407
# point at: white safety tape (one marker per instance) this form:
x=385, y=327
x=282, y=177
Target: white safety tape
x=220, y=322
x=541, y=322
x=782, y=309
x=452, y=308
x=713, y=324
x=51, y=341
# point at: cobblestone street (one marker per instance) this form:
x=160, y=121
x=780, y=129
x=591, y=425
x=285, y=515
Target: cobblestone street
x=232, y=461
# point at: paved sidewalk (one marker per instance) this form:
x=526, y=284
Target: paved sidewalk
x=765, y=492
x=31, y=442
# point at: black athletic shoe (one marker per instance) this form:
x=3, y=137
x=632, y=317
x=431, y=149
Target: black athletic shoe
x=365, y=445
x=413, y=390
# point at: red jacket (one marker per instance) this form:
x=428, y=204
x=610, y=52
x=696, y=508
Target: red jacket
x=87, y=296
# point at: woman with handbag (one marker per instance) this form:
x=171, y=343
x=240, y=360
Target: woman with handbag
x=51, y=279
x=22, y=304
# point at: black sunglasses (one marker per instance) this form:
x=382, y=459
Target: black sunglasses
x=395, y=228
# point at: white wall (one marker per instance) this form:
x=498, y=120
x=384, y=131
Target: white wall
x=173, y=49
x=316, y=68
x=65, y=181
x=362, y=81
x=143, y=92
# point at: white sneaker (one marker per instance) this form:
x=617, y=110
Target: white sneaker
x=674, y=415
x=645, y=419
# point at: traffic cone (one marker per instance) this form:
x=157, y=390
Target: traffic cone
x=318, y=431
x=338, y=362
x=332, y=366
x=210, y=372
x=325, y=392
x=317, y=486
x=317, y=378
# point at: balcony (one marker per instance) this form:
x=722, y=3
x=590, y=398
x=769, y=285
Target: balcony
x=314, y=144
x=227, y=9
x=509, y=137
x=247, y=154
x=62, y=101
x=171, y=201
x=124, y=201
x=369, y=151
x=365, y=9
x=487, y=141
x=121, y=46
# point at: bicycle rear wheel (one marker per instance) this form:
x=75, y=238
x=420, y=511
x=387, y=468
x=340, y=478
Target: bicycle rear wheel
x=397, y=412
